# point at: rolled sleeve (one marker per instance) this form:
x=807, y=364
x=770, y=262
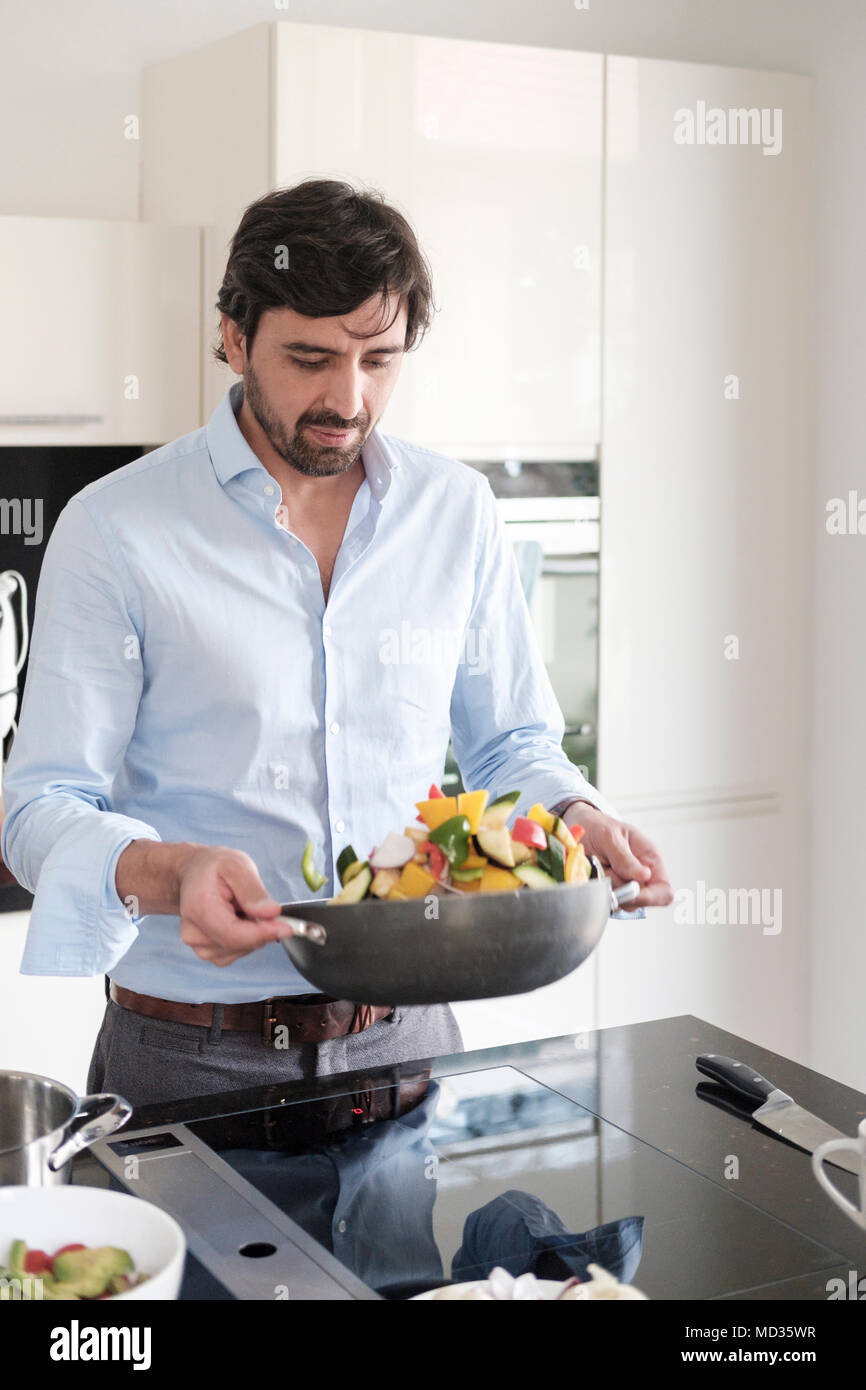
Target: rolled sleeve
x=60, y=837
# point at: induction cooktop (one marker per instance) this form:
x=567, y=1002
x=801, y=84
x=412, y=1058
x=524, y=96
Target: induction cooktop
x=409, y=1184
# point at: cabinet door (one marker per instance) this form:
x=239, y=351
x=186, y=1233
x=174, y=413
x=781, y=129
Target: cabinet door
x=101, y=331
x=55, y=349
x=493, y=151
x=705, y=443
x=733, y=947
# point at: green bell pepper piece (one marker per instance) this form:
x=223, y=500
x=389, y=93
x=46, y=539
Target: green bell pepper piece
x=312, y=877
x=452, y=837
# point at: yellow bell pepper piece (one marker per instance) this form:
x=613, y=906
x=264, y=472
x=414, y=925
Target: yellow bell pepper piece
x=472, y=805
x=577, y=867
x=544, y=818
x=474, y=861
x=496, y=880
x=415, y=882
x=437, y=810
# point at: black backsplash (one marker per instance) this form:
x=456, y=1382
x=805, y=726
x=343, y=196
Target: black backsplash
x=49, y=475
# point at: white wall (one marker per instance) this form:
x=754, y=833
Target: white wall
x=47, y=1025
x=67, y=78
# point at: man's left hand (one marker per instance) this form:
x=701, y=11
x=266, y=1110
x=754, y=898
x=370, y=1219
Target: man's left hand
x=625, y=853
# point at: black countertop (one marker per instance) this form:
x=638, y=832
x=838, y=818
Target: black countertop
x=637, y=1141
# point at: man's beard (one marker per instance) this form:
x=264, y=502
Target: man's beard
x=298, y=450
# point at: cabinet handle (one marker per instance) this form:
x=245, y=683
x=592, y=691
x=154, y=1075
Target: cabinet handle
x=52, y=419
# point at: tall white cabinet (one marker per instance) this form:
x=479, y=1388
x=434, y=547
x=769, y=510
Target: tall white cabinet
x=705, y=490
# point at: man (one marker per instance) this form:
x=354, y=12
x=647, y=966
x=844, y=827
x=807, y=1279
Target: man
x=213, y=678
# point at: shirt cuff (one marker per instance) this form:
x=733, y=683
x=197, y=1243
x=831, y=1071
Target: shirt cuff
x=78, y=924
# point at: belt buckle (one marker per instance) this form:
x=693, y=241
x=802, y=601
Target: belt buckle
x=268, y=1021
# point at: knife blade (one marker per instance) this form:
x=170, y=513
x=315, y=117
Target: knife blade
x=778, y=1111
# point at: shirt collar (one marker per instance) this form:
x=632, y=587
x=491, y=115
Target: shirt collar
x=231, y=454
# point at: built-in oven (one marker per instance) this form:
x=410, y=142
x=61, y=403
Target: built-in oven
x=551, y=512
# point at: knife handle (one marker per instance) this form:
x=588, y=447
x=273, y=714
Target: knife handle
x=736, y=1076
x=724, y=1098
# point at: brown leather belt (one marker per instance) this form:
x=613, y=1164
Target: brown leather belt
x=308, y=1017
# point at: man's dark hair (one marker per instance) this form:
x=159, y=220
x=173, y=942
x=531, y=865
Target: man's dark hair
x=323, y=249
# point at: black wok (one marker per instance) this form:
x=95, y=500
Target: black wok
x=478, y=946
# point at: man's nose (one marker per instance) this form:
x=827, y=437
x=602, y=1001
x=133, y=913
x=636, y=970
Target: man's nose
x=344, y=396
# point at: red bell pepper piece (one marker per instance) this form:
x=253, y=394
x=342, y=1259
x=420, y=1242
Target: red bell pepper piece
x=438, y=861
x=529, y=832
x=37, y=1262
x=435, y=792
x=63, y=1249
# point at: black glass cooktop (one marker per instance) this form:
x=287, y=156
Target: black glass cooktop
x=443, y=1179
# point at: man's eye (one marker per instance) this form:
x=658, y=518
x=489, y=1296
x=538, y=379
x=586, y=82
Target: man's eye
x=308, y=366
x=376, y=363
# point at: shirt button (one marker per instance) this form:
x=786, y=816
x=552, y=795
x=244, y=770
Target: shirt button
x=335, y=728
x=269, y=491
x=326, y=629
x=340, y=825
x=341, y=1227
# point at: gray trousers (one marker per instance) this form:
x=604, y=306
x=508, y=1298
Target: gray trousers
x=149, y=1061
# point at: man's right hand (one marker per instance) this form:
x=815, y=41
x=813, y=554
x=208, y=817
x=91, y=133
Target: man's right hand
x=225, y=911
x=224, y=908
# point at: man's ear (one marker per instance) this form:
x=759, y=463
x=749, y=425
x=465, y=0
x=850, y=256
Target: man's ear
x=234, y=344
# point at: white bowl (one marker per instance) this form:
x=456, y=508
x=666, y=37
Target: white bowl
x=47, y=1217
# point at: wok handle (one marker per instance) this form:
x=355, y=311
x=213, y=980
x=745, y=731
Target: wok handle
x=311, y=931
x=626, y=894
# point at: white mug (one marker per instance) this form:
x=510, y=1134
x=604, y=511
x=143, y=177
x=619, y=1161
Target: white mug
x=857, y=1144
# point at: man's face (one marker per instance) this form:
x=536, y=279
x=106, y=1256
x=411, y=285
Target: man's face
x=315, y=390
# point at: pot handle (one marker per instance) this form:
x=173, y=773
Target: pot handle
x=94, y=1118
x=625, y=894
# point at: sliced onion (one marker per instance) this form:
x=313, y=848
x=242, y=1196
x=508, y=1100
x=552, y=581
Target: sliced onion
x=394, y=851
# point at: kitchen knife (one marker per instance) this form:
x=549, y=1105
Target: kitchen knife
x=778, y=1111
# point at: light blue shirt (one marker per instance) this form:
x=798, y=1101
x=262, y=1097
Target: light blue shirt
x=188, y=682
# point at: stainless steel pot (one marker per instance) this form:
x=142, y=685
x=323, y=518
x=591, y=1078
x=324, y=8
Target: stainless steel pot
x=42, y=1124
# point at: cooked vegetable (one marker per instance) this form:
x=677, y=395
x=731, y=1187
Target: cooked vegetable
x=357, y=886
x=416, y=882
x=496, y=880
x=496, y=845
x=534, y=877
x=383, y=881
x=312, y=877
x=497, y=813
x=563, y=834
x=544, y=818
x=394, y=851
x=471, y=805
x=552, y=859
x=346, y=857
x=437, y=810
x=452, y=837
x=462, y=844
x=528, y=832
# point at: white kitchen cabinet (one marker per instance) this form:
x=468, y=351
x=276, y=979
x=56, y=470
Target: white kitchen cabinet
x=734, y=946
x=493, y=151
x=101, y=341
x=704, y=605
x=706, y=436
